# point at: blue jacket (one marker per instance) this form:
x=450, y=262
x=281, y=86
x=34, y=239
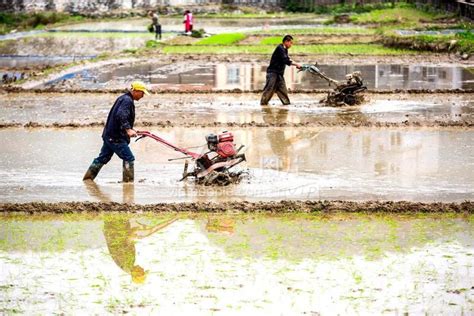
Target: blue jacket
x=121, y=117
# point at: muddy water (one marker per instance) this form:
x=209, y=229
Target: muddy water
x=342, y=264
x=213, y=26
x=206, y=109
x=251, y=76
x=71, y=44
x=283, y=163
x=31, y=61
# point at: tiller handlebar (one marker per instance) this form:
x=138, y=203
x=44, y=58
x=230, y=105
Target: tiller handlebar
x=143, y=134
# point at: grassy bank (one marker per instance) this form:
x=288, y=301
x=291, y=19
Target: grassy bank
x=399, y=15
x=28, y=21
x=462, y=42
x=326, y=30
x=332, y=49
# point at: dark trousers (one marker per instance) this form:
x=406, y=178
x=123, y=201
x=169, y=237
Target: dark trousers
x=157, y=30
x=109, y=148
x=275, y=83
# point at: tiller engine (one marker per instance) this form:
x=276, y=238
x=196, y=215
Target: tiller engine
x=214, y=166
x=344, y=93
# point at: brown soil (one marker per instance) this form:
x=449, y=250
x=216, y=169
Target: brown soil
x=336, y=123
x=245, y=207
x=19, y=89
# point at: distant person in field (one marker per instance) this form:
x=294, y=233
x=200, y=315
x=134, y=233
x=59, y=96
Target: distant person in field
x=155, y=24
x=275, y=71
x=188, y=22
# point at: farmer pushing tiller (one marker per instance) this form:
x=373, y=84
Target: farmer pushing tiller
x=213, y=166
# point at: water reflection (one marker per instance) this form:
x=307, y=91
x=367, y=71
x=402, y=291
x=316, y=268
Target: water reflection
x=121, y=234
x=251, y=76
x=395, y=164
x=94, y=190
x=348, y=263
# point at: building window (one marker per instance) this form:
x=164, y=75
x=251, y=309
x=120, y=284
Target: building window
x=233, y=75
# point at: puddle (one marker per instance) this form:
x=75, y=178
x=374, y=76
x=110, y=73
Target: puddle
x=284, y=163
x=342, y=264
x=199, y=76
x=237, y=109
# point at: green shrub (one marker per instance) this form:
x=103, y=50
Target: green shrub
x=152, y=44
x=198, y=33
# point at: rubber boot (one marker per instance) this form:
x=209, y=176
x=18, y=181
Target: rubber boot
x=128, y=171
x=93, y=171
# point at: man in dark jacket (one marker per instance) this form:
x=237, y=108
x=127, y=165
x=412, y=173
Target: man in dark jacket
x=117, y=132
x=275, y=71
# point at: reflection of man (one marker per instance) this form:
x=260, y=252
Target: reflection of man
x=280, y=144
x=275, y=71
x=220, y=225
x=120, y=234
x=276, y=136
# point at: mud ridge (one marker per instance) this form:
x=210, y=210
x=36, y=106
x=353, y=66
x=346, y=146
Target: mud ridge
x=165, y=124
x=283, y=206
x=17, y=89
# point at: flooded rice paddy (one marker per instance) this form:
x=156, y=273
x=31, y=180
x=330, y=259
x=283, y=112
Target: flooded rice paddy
x=202, y=76
x=383, y=157
x=50, y=49
x=83, y=109
x=210, y=25
x=282, y=163
x=237, y=264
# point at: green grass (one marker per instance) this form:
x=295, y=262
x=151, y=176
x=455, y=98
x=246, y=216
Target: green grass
x=356, y=49
x=462, y=42
x=222, y=39
x=274, y=40
x=397, y=15
x=318, y=30
x=465, y=42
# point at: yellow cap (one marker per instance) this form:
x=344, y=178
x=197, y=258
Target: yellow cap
x=140, y=86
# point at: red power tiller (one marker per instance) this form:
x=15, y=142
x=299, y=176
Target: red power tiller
x=212, y=167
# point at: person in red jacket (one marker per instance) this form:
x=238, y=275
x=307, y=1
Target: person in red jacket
x=188, y=21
